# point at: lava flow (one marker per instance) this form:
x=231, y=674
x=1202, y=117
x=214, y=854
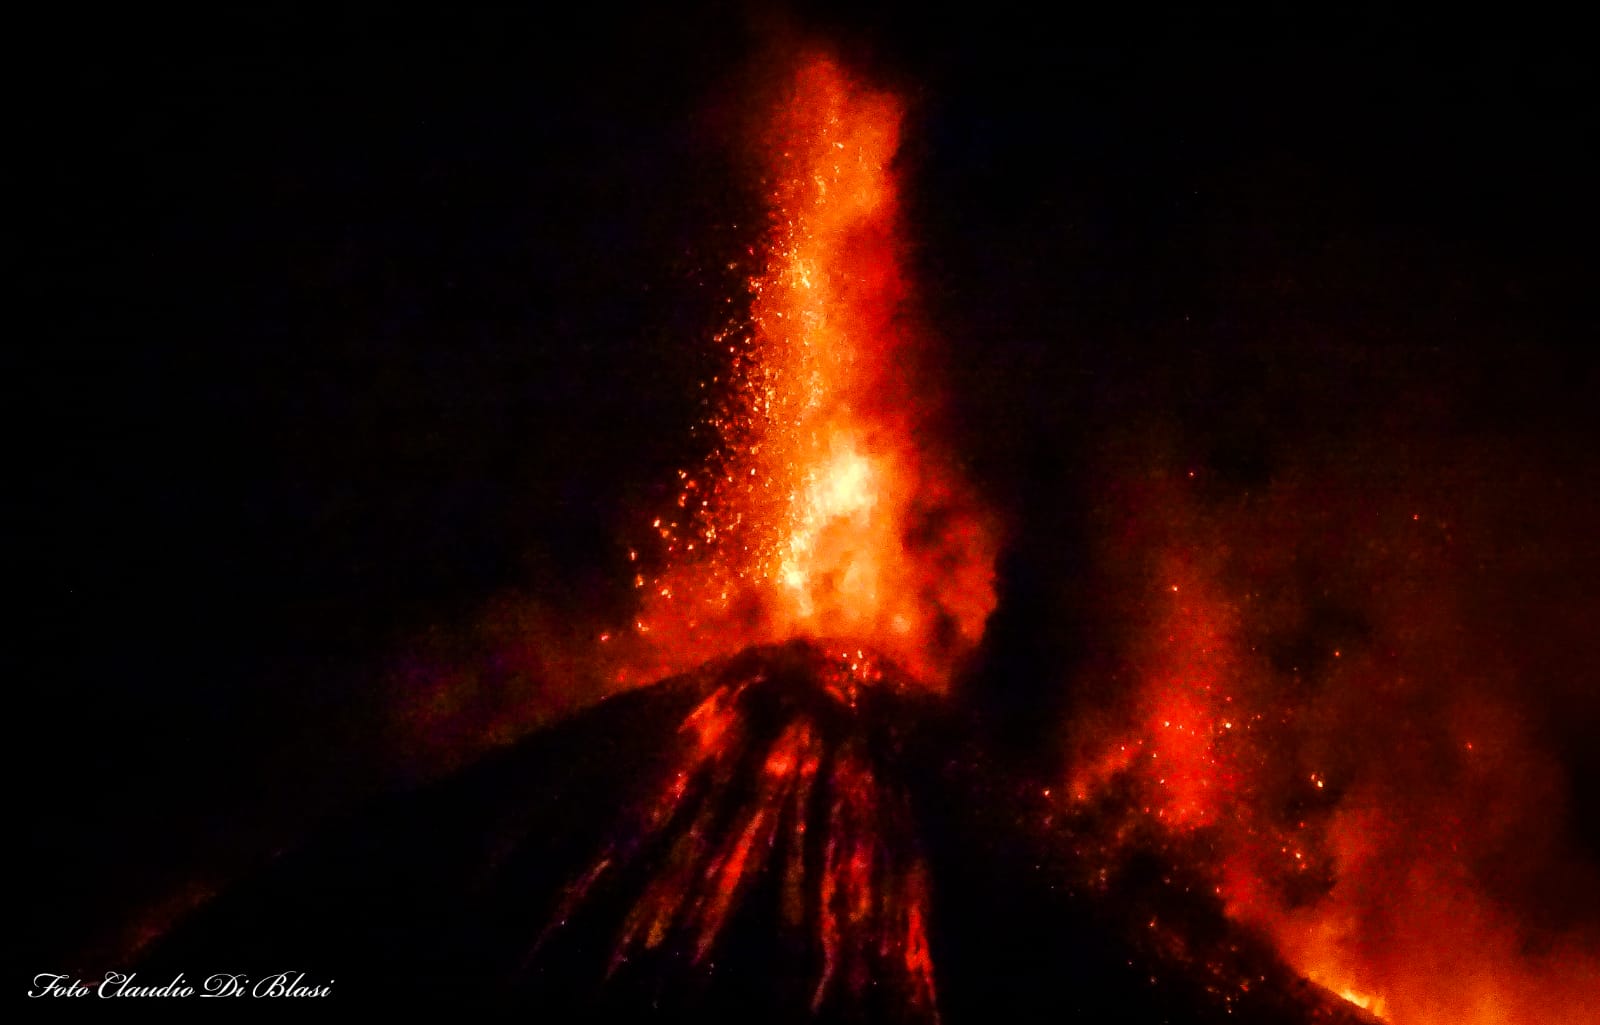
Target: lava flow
x=788, y=783
x=819, y=514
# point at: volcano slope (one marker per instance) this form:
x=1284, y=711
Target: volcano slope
x=798, y=833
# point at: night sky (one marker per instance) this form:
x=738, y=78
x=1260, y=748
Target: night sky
x=354, y=326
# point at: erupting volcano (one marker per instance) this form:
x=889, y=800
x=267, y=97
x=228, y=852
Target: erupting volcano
x=781, y=811
x=819, y=516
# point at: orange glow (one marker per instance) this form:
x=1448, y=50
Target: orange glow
x=819, y=515
x=1184, y=746
x=1409, y=939
x=1328, y=814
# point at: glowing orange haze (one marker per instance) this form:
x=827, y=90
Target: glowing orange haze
x=819, y=515
x=1341, y=810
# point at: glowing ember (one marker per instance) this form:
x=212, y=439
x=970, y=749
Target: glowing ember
x=819, y=516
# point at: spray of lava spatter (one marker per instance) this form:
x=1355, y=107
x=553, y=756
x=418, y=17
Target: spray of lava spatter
x=819, y=514
x=817, y=511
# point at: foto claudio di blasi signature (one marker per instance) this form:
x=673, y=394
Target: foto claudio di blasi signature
x=128, y=985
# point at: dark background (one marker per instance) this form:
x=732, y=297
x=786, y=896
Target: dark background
x=350, y=322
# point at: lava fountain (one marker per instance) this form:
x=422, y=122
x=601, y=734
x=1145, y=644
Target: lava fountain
x=819, y=513
x=819, y=520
